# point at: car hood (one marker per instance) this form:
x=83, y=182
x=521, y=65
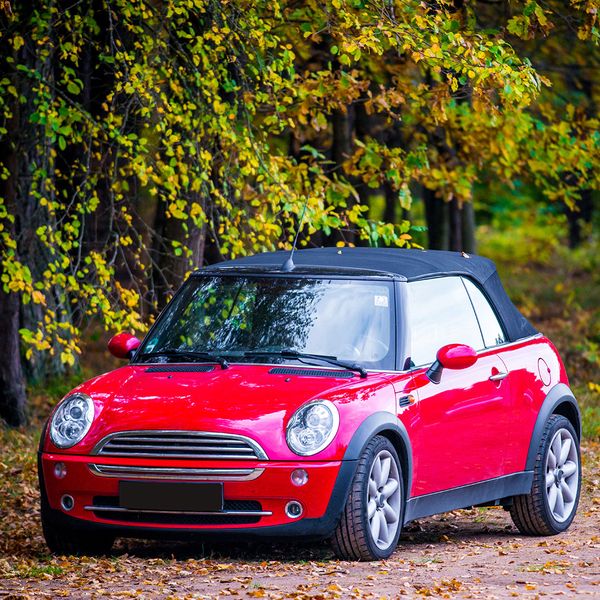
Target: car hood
x=243, y=399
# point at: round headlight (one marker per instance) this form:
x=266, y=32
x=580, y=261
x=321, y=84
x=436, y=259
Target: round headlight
x=312, y=427
x=72, y=420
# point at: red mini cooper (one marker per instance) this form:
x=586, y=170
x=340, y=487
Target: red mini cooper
x=339, y=395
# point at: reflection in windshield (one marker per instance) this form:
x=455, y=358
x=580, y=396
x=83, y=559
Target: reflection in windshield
x=347, y=319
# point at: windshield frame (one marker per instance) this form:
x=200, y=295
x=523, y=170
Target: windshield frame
x=346, y=274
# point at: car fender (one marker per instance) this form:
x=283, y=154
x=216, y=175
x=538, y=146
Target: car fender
x=558, y=395
x=374, y=424
x=383, y=422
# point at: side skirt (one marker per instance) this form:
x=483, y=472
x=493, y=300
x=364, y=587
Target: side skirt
x=468, y=495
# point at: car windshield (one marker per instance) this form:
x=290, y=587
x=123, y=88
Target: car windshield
x=237, y=317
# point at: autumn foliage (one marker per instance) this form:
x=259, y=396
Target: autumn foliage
x=139, y=139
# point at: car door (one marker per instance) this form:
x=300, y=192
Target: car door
x=465, y=418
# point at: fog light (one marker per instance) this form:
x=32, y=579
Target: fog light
x=60, y=470
x=299, y=477
x=293, y=509
x=67, y=502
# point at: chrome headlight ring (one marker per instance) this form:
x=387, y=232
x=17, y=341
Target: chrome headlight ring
x=312, y=427
x=72, y=420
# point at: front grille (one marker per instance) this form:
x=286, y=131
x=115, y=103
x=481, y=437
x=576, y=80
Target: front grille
x=196, y=445
x=130, y=516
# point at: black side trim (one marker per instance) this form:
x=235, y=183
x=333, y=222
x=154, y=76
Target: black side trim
x=181, y=369
x=468, y=495
x=43, y=435
x=371, y=426
x=558, y=395
x=311, y=372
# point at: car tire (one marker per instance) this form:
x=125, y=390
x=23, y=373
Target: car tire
x=372, y=517
x=64, y=540
x=552, y=503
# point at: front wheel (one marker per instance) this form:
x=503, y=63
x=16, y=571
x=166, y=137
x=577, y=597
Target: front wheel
x=66, y=540
x=552, y=503
x=372, y=519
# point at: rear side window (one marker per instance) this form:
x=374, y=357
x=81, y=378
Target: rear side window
x=440, y=313
x=490, y=326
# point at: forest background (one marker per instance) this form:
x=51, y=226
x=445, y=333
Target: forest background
x=140, y=139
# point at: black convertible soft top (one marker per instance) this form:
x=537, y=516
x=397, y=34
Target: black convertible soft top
x=409, y=265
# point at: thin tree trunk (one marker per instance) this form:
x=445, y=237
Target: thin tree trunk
x=391, y=201
x=165, y=265
x=468, y=228
x=437, y=218
x=12, y=379
x=341, y=148
x=455, y=242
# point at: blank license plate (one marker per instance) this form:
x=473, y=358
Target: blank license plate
x=158, y=495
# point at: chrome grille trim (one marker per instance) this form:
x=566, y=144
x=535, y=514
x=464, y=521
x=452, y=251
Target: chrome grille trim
x=224, y=513
x=172, y=473
x=195, y=445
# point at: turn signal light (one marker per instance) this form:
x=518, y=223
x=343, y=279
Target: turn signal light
x=60, y=470
x=299, y=477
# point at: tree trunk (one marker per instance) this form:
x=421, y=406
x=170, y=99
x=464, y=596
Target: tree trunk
x=12, y=380
x=391, y=201
x=437, y=218
x=462, y=227
x=341, y=148
x=455, y=242
x=166, y=267
x=468, y=228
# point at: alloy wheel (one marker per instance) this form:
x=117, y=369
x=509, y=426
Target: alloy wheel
x=384, y=499
x=562, y=475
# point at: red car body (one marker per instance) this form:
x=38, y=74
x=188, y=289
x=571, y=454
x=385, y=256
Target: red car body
x=464, y=441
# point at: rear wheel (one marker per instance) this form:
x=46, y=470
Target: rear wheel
x=552, y=503
x=372, y=519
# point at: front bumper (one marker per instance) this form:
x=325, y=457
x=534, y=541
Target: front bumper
x=255, y=494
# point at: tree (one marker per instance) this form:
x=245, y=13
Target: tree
x=142, y=139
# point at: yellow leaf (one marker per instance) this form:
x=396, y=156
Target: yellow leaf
x=18, y=42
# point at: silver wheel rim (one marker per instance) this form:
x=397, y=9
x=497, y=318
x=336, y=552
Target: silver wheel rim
x=562, y=475
x=383, y=500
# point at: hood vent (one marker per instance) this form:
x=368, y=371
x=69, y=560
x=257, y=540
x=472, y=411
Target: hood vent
x=312, y=372
x=180, y=369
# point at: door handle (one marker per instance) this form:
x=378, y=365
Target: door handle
x=498, y=376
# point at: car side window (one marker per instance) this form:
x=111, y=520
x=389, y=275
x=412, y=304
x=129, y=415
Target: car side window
x=440, y=313
x=490, y=326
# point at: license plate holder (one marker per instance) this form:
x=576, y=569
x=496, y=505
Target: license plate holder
x=171, y=496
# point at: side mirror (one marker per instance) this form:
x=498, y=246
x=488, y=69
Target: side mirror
x=123, y=345
x=452, y=356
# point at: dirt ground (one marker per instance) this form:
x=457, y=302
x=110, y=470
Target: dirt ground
x=465, y=554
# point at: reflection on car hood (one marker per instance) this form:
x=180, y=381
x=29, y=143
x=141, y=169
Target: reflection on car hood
x=243, y=399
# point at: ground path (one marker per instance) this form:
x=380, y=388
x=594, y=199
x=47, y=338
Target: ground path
x=465, y=554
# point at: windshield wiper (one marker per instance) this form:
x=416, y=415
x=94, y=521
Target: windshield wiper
x=332, y=360
x=189, y=354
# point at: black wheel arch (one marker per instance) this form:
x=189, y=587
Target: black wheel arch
x=388, y=425
x=559, y=401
